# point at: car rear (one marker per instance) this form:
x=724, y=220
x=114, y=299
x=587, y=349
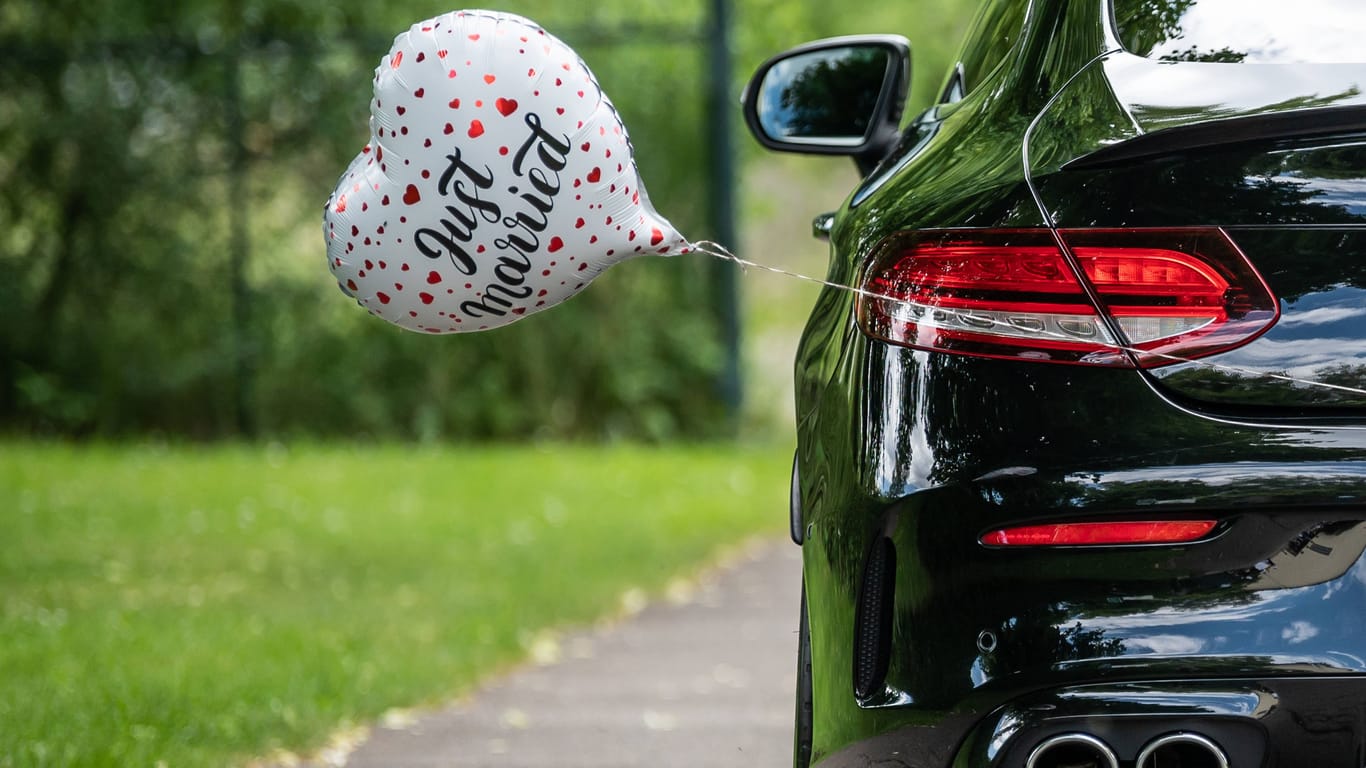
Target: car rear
x=1114, y=466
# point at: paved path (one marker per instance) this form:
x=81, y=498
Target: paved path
x=701, y=682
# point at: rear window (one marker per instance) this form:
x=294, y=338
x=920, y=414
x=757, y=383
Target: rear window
x=1273, y=31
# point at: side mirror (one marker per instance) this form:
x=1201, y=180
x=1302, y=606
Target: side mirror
x=839, y=96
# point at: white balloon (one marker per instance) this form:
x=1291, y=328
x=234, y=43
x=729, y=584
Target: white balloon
x=498, y=180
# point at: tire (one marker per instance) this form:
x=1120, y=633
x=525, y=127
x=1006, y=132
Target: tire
x=801, y=749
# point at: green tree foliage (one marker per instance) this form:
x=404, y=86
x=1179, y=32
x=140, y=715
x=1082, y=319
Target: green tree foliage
x=160, y=190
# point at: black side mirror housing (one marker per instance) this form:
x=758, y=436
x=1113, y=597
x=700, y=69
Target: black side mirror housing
x=838, y=96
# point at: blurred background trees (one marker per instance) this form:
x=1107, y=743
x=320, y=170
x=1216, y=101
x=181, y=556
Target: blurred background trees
x=161, y=184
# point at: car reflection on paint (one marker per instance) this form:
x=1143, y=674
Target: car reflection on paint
x=1081, y=471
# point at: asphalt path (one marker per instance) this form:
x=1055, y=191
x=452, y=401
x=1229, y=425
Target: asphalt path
x=702, y=679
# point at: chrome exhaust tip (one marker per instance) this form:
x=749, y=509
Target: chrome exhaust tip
x=1182, y=750
x=1072, y=750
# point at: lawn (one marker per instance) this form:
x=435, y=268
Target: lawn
x=200, y=606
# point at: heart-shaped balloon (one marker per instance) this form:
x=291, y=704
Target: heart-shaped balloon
x=498, y=180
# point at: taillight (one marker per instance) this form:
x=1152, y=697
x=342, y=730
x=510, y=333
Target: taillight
x=1112, y=533
x=1172, y=294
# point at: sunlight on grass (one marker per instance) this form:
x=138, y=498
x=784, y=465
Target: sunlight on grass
x=201, y=605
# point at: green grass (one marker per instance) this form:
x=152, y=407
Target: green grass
x=198, y=606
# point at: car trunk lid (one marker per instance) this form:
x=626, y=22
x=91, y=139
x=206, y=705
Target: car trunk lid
x=1272, y=154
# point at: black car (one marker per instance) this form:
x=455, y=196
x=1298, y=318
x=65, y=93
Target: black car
x=1081, y=471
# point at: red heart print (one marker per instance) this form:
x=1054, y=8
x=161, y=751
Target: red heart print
x=555, y=244
x=506, y=106
x=656, y=237
x=419, y=92
x=382, y=296
x=427, y=298
x=411, y=196
x=595, y=175
x=489, y=79
x=449, y=129
x=476, y=129
x=434, y=277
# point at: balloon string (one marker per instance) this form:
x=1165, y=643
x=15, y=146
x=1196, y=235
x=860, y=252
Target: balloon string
x=719, y=251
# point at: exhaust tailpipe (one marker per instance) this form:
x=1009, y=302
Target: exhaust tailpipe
x=1182, y=750
x=1073, y=750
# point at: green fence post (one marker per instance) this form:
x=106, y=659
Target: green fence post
x=721, y=183
x=239, y=242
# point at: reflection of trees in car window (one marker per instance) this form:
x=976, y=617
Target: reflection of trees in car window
x=1149, y=26
x=1231, y=31
x=1224, y=55
x=1143, y=25
x=836, y=95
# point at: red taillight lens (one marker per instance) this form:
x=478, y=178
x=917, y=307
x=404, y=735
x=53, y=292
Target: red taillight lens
x=1172, y=294
x=989, y=293
x=1175, y=294
x=1100, y=533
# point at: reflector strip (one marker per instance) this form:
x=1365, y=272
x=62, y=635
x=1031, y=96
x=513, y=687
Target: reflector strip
x=1100, y=533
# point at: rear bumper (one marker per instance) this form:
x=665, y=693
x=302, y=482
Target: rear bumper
x=1295, y=721
x=1277, y=593
x=1299, y=721
x=947, y=448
